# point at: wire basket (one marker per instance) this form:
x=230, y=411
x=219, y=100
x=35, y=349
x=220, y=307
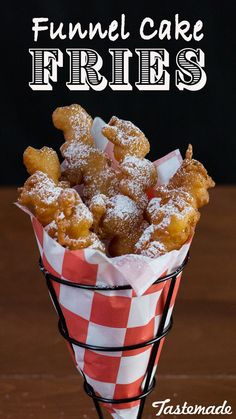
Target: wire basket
x=154, y=343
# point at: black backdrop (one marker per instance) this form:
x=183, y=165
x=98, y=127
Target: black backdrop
x=170, y=119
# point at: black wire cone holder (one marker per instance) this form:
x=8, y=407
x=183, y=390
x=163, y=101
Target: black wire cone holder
x=155, y=342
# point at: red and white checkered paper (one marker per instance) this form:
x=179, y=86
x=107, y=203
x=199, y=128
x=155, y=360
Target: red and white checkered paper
x=112, y=318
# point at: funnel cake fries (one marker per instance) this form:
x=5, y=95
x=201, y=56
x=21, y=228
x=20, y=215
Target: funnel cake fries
x=67, y=218
x=40, y=194
x=127, y=139
x=118, y=219
x=75, y=123
x=172, y=223
x=116, y=208
x=84, y=163
x=41, y=190
x=192, y=177
x=45, y=160
x=130, y=148
x=174, y=214
x=72, y=224
x=62, y=211
x=138, y=175
x=90, y=166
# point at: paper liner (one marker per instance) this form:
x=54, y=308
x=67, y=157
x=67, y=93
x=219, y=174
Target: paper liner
x=112, y=318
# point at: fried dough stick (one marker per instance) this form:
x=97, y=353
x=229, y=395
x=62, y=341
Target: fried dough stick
x=84, y=163
x=173, y=214
x=130, y=148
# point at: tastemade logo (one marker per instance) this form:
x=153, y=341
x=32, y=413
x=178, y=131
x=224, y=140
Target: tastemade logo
x=85, y=65
x=164, y=408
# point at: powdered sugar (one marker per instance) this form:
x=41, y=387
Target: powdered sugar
x=75, y=153
x=145, y=238
x=154, y=249
x=61, y=216
x=149, y=247
x=51, y=229
x=153, y=205
x=128, y=134
x=99, y=200
x=79, y=121
x=50, y=226
x=83, y=214
x=162, y=214
x=122, y=207
x=44, y=187
x=137, y=167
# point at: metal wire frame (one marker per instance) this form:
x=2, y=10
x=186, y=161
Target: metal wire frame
x=155, y=342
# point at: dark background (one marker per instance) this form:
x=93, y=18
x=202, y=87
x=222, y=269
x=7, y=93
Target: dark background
x=197, y=365
x=169, y=119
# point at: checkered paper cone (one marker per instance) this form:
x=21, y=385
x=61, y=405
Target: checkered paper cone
x=112, y=318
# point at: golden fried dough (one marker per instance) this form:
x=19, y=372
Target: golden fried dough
x=173, y=214
x=74, y=221
x=130, y=148
x=84, y=163
x=66, y=217
x=119, y=220
x=192, y=177
x=40, y=194
x=138, y=175
x=115, y=209
x=127, y=139
x=45, y=160
x=171, y=224
x=90, y=166
x=75, y=123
